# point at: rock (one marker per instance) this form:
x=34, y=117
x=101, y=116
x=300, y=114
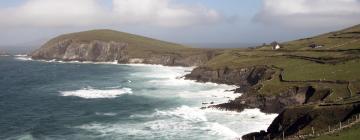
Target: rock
x=110, y=51
x=262, y=135
x=302, y=119
x=244, y=78
x=76, y=50
x=273, y=103
x=110, y=46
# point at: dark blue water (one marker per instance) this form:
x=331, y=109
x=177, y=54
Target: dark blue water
x=42, y=100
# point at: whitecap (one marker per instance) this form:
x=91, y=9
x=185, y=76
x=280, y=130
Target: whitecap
x=183, y=112
x=106, y=114
x=21, y=55
x=23, y=58
x=218, y=129
x=26, y=136
x=90, y=93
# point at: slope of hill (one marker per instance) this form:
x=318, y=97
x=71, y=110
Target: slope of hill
x=109, y=45
x=311, y=88
x=339, y=40
x=297, y=81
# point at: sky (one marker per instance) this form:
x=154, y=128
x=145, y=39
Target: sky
x=32, y=22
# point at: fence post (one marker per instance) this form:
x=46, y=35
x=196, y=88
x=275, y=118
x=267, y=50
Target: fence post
x=254, y=138
x=340, y=124
x=329, y=129
x=313, y=131
x=283, y=135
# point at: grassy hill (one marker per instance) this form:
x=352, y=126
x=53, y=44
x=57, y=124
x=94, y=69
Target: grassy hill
x=91, y=46
x=112, y=35
x=300, y=64
x=339, y=40
x=347, y=134
x=334, y=68
x=138, y=46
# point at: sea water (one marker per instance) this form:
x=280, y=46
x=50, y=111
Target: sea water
x=96, y=101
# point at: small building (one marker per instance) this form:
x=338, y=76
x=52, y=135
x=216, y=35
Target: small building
x=314, y=46
x=275, y=45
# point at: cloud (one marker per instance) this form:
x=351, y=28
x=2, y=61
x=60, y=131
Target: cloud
x=55, y=13
x=309, y=13
x=163, y=12
x=52, y=13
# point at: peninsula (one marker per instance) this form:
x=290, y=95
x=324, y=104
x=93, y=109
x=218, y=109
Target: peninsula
x=313, y=83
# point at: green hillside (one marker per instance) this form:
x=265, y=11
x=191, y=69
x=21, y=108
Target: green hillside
x=301, y=65
x=332, y=70
x=352, y=133
x=112, y=35
x=138, y=46
x=339, y=40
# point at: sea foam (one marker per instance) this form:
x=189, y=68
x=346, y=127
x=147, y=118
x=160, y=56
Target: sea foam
x=90, y=93
x=23, y=58
x=184, y=120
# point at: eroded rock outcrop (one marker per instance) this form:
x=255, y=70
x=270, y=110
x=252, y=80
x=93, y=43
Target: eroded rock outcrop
x=302, y=120
x=248, y=79
x=266, y=103
x=244, y=77
x=110, y=51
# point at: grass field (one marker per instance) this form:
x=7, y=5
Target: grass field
x=302, y=66
x=344, y=39
x=352, y=133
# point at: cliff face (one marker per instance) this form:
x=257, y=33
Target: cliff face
x=71, y=50
x=110, y=51
x=266, y=103
x=245, y=77
x=303, y=119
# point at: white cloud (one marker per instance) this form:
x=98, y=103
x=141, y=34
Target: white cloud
x=163, y=12
x=52, y=13
x=90, y=12
x=310, y=13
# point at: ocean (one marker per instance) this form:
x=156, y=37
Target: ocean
x=43, y=100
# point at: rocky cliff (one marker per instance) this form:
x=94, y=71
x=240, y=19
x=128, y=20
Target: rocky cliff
x=110, y=46
x=249, y=80
x=244, y=77
x=303, y=120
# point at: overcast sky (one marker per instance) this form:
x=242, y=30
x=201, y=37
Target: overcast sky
x=182, y=21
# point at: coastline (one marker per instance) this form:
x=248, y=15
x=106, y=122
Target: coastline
x=205, y=107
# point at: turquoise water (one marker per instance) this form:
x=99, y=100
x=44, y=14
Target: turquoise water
x=54, y=100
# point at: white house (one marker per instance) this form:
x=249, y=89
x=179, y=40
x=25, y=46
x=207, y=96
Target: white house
x=275, y=45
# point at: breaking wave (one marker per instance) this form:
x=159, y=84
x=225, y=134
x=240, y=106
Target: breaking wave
x=90, y=93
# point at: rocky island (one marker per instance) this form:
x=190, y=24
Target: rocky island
x=3, y=53
x=312, y=88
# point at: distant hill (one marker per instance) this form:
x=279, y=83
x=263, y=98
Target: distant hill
x=3, y=52
x=109, y=45
x=112, y=35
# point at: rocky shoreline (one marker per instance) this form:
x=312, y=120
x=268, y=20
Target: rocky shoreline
x=299, y=106
x=110, y=51
x=245, y=78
